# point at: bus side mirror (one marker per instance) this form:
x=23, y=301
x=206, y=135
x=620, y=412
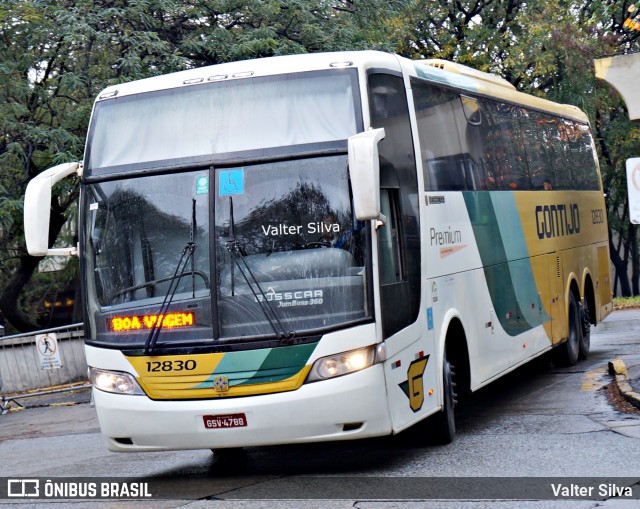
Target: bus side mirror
x=364, y=172
x=37, y=210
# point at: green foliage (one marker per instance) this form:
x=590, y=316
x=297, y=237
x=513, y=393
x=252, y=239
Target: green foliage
x=626, y=302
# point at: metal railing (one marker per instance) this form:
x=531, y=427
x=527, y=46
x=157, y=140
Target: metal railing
x=21, y=371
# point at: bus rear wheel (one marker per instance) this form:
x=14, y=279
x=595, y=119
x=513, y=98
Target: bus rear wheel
x=568, y=352
x=585, y=343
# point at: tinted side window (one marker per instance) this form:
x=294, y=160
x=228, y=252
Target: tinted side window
x=472, y=143
x=504, y=149
x=443, y=160
x=584, y=173
x=559, y=153
x=544, y=151
x=391, y=269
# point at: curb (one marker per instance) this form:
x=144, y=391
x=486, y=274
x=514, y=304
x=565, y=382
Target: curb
x=619, y=370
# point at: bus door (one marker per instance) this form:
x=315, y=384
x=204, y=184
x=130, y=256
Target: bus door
x=394, y=288
x=409, y=341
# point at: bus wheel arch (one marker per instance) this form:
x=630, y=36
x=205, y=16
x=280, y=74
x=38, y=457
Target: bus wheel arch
x=589, y=297
x=457, y=351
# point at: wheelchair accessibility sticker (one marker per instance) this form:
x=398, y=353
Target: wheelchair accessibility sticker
x=231, y=182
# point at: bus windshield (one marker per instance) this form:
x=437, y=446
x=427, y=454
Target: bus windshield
x=287, y=255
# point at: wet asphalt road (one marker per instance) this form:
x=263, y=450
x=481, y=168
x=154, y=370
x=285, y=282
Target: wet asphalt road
x=539, y=421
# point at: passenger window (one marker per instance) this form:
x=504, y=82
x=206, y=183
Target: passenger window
x=443, y=160
x=503, y=146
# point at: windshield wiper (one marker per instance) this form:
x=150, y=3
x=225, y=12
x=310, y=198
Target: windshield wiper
x=187, y=254
x=238, y=254
x=174, y=282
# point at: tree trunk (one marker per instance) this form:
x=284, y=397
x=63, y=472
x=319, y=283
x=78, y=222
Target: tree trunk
x=620, y=266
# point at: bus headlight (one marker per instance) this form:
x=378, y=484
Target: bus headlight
x=342, y=364
x=114, y=381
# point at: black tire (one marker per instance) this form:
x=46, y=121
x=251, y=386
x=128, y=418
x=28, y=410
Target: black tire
x=585, y=343
x=568, y=352
x=443, y=424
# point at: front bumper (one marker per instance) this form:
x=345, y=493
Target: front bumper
x=348, y=407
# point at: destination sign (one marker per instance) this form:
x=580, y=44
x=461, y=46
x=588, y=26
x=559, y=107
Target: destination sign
x=142, y=322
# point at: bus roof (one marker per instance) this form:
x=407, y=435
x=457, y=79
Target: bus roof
x=490, y=85
x=268, y=66
x=440, y=71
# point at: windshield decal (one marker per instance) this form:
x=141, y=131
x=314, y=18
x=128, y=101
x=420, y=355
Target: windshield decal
x=202, y=185
x=231, y=182
x=293, y=298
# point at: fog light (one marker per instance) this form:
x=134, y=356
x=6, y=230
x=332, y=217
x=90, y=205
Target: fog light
x=114, y=381
x=342, y=364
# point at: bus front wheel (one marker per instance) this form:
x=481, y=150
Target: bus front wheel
x=443, y=424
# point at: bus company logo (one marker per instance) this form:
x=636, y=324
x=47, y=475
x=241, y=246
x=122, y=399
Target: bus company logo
x=221, y=384
x=271, y=295
x=23, y=488
x=413, y=387
x=557, y=220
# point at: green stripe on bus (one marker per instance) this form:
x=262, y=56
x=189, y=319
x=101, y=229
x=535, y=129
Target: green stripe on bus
x=262, y=365
x=505, y=260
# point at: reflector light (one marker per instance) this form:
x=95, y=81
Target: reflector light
x=146, y=322
x=340, y=64
x=108, y=95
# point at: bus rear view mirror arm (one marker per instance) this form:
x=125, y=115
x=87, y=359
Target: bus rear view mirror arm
x=37, y=210
x=364, y=172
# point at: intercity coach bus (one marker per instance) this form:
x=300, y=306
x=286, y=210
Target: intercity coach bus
x=325, y=247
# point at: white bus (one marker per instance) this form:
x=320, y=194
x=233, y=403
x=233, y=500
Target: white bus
x=325, y=247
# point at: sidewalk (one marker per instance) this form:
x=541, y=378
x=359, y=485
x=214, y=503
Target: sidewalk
x=627, y=370
x=627, y=373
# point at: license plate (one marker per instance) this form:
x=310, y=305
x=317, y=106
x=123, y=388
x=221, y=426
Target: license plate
x=224, y=421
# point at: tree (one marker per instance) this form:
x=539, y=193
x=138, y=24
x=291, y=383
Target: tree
x=57, y=55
